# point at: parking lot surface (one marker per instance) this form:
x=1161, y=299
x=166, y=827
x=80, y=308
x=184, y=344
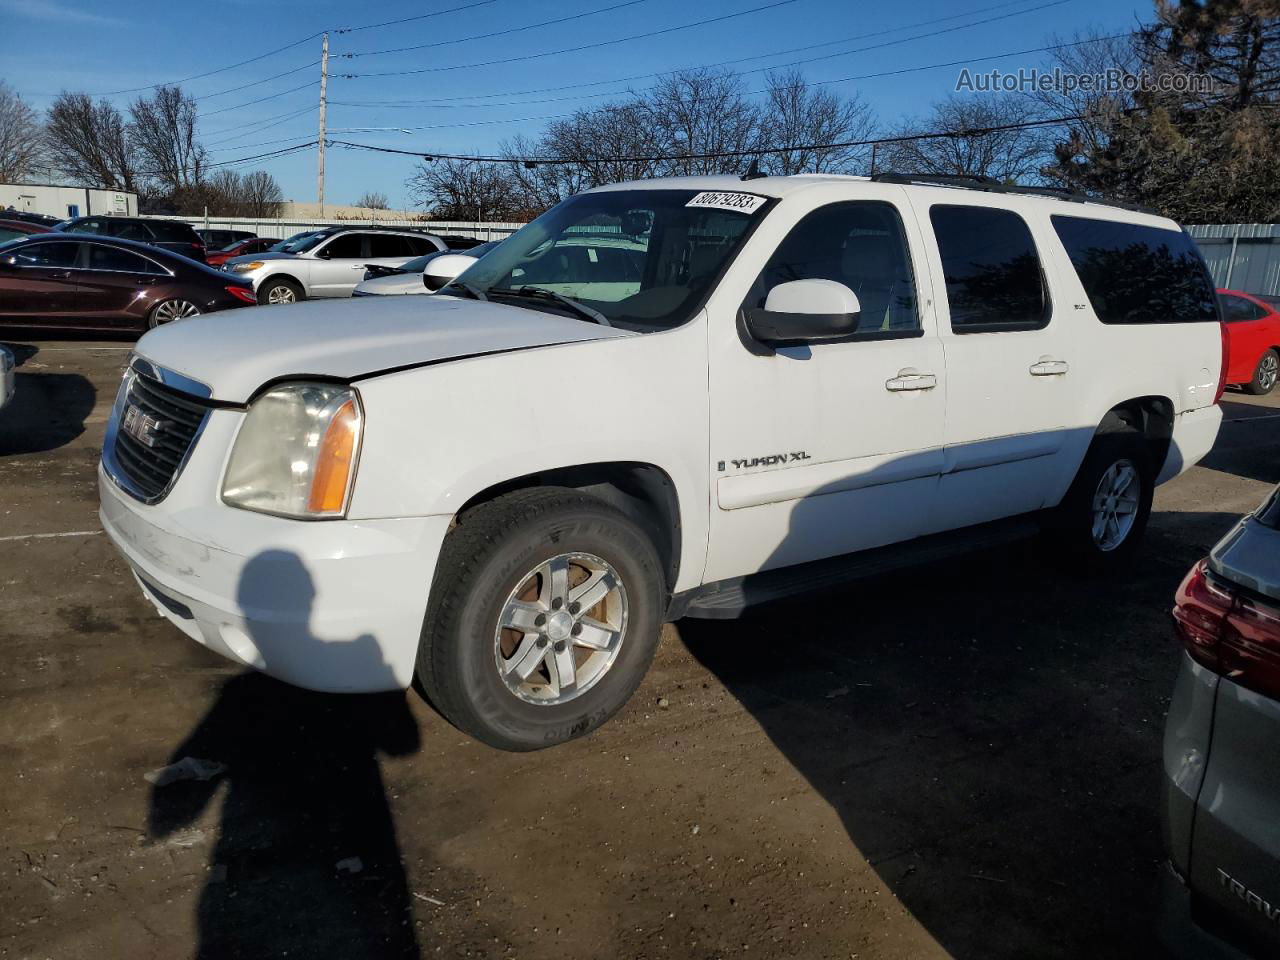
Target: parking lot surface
x=958, y=760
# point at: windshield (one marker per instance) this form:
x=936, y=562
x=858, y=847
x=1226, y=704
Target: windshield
x=645, y=259
x=292, y=244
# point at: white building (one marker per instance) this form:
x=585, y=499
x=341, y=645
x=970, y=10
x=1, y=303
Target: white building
x=66, y=202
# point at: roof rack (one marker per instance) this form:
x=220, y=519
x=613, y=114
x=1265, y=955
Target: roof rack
x=992, y=185
x=338, y=227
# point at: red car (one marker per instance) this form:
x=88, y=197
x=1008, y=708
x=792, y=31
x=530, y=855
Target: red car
x=13, y=229
x=1253, y=328
x=240, y=249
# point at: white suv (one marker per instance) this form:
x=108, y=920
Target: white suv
x=737, y=391
x=330, y=262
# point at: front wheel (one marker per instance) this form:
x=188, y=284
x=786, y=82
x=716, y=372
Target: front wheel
x=1265, y=375
x=544, y=615
x=1104, y=515
x=280, y=291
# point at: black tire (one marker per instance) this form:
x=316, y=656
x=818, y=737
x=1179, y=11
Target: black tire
x=484, y=558
x=1072, y=526
x=283, y=283
x=1265, y=374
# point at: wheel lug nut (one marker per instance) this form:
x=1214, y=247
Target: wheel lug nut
x=542, y=641
x=559, y=646
x=577, y=629
x=574, y=608
x=540, y=619
x=557, y=603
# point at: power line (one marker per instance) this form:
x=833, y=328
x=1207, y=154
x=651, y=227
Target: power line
x=864, y=76
x=258, y=128
x=421, y=16
x=250, y=103
x=242, y=130
x=210, y=73
x=442, y=101
x=254, y=83
x=496, y=33
x=585, y=46
x=722, y=154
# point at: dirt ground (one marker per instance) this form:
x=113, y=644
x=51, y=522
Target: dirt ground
x=962, y=760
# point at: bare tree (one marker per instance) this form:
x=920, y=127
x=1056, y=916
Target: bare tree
x=463, y=189
x=982, y=140
x=19, y=136
x=798, y=115
x=164, y=130
x=703, y=111
x=260, y=195
x=224, y=193
x=89, y=143
x=373, y=201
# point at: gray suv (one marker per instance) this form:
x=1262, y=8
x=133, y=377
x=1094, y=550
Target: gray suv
x=1222, y=750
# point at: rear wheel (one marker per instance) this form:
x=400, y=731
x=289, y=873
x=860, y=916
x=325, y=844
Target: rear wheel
x=544, y=615
x=1265, y=375
x=166, y=311
x=278, y=290
x=1104, y=515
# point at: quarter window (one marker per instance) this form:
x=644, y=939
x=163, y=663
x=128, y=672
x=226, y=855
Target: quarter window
x=1138, y=274
x=991, y=268
x=860, y=244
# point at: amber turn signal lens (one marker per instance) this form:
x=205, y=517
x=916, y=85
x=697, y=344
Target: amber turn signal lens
x=333, y=464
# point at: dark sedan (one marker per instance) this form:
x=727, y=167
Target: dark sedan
x=172, y=235
x=90, y=282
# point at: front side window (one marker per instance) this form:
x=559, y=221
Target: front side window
x=991, y=268
x=643, y=259
x=348, y=246
x=860, y=244
x=1138, y=274
x=57, y=255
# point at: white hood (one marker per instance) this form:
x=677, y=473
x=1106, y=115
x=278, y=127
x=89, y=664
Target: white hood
x=393, y=284
x=236, y=351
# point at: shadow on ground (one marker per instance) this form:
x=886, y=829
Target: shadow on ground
x=988, y=730
x=306, y=861
x=48, y=411
x=1236, y=450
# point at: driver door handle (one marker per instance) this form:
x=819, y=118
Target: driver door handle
x=911, y=379
x=1047, y=367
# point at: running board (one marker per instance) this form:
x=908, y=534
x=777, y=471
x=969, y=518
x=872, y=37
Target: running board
x=729, y=599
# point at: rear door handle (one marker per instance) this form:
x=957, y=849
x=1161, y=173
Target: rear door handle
x=910, y=379
x=59, y=274
x=1046, y=367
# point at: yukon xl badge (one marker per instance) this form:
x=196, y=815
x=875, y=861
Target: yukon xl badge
x=772, y=460
x=142, y=427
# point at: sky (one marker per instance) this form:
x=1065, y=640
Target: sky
x=474, y=89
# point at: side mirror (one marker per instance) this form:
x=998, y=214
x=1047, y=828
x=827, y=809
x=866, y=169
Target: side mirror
x=444, y=269
x=805, y=311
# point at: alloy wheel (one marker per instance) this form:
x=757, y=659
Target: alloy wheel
x=1115, y=505
x=281, y=294
x=561, y=628
x=172, y=310
x=1268, y=371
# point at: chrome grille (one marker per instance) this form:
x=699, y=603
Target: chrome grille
x=152, y=432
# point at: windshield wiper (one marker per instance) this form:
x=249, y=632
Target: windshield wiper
x=540, y=293
x=473, y=292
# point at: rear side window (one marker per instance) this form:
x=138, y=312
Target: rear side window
x=991, y=268
x=7, y=234
x=1138, y=274
x=113, y=258
x=169, y=231
x=86, y=226
x=420, y=246
x=389, y=245
x=131, y=231
x=1238, y=309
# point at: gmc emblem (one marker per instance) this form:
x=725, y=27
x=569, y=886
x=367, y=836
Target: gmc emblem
x=142, y=427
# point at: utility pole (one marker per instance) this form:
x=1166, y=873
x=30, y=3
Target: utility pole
x=324, y=86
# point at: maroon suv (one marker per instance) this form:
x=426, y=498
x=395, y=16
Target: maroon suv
x=82, y=281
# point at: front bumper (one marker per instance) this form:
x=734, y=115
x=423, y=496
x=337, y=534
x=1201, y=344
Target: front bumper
x=327, y=605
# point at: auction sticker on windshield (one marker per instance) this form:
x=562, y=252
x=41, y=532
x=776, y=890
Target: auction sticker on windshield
x=718, y=200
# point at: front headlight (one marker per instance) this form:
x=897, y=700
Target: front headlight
x=247, y=267
x=296, y=452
